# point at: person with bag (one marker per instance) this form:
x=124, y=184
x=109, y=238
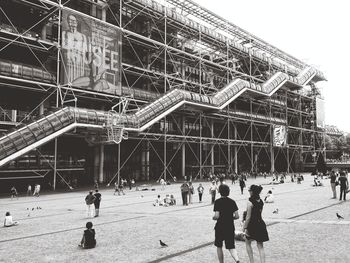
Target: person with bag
x=254, y=226
x=344, y=185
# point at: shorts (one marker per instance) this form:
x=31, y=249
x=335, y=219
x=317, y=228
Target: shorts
x=228, y=237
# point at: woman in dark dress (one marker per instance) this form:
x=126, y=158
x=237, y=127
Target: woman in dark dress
x=254, y=226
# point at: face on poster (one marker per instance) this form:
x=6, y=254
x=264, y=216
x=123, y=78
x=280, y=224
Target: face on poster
x=90, y=53
x=279, y=135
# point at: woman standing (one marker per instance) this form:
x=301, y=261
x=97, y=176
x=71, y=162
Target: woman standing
x=191, y=192
x=254, y=226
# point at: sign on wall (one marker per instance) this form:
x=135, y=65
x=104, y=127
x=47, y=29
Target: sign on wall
x=91, y=56
x=279, y=135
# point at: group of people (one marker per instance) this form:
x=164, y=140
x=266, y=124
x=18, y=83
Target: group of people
x=188, y=190
x=169, y=200
x=341, y=180
x=14, y=192
x=254, y=227
x=93, y=199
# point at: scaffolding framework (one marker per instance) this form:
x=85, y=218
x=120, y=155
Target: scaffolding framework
x=165, y=49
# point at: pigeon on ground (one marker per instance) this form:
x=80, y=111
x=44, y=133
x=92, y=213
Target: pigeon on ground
x=27, y=208
x=339, y=216
x=276, y=211
x=33, y=209
x=141, y=195
x=162, y=244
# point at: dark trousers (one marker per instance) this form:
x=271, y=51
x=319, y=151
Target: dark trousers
x=213, y=193
x=200, y=196
x=242, y=187
x=184, y=198
x=342, y=191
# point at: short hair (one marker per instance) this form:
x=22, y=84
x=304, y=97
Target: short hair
x=7, y=213
x=96, y=190
x=255, y=189
x=89, y=225
x=224, y=190
x=269, y=192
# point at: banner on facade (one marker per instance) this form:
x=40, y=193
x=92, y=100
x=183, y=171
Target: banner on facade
x=320, y=113
x=279, y=135
x=91, y=56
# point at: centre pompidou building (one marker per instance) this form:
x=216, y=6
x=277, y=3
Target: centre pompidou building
x=96, y=90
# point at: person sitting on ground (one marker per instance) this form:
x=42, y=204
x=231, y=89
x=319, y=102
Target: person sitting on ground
x=9, y=221
x=158, y=201
x=269, y=198
x=167, y=200
x=317, y=181
x=88, y=240
x=172, y=200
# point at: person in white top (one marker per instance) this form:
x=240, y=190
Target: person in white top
x=162, y=183
x=9, y=221
x=269, y=198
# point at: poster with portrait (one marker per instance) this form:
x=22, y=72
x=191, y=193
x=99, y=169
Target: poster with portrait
x=279, y=135
x=91, y=57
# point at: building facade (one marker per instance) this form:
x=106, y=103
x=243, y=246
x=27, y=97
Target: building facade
x=96, y=90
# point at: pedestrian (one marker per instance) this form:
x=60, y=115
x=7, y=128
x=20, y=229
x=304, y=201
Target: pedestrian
x=241, y=183
x=97, y=202
x=254, y=226
x=89, y=200
x=200, y=190
x=9, y=221
x=121, y=188
x=14, y=193
x=184, y=193
x=344, y=185
x=333, y=179
x=162, y=183
x=130, y=184
x=29, y=190
x=116, y=188
x=88, y=240
x=226, y=211
x=190, y=192
x=212, y=191
x=36, y=190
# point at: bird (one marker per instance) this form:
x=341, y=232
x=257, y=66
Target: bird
x=339, y=216
x=27, y=208
x=162, y=244
x=33, y=209
x=141, y=195
x=276, y=211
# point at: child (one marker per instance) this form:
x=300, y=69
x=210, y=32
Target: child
x=9, y=221
x=167, y=200
x=158, y=201
x=14, y=193
x=269, y=198
x=88, y=240
x=172, y=200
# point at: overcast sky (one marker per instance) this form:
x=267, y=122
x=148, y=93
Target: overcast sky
x=316, y=32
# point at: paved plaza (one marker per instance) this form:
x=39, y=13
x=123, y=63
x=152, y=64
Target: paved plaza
x=129, y=228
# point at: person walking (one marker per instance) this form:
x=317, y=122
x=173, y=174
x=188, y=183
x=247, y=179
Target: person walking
x=89, y=200
x=226, y=211
x=29, y=190
x=200, y=190
x=184, y=193
x=254, y=226
x=212, y=191
x=36, y=190
x=190, y=192
x=97, y=203
x=241, y=182
x=333, y=179
x=344, y=185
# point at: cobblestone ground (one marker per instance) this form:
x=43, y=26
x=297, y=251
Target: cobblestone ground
x=306, y=228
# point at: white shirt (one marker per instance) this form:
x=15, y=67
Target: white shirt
x=8, y=221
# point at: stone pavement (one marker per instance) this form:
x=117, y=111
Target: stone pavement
x=306, y=228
